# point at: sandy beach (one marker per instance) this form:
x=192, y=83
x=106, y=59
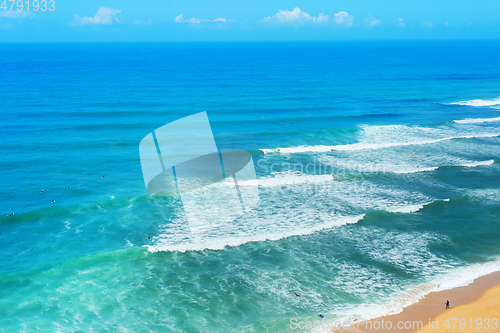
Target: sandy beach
x=476, y=308
x=480, y=315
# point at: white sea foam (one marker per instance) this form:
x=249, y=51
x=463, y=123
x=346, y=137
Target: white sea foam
x=299, y=149
x=219, y=244
x=475, y=164
x=412, y=208
x=469, y=165
x=336, y=190
x=477, y=120
x=362, y=164
x=479, y=102
x=285, y=178
x=370, y=146
x=291, y=205
x=407, y=209
x=416, y=170
x=485, y=195
x=463, y=276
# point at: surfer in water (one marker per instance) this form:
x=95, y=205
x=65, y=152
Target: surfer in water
x=297, y=295
x=11, y=214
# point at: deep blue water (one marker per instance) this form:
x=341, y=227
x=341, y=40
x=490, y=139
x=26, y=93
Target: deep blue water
x=411, y=207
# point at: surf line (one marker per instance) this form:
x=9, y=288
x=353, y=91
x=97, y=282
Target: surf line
x=367, y=146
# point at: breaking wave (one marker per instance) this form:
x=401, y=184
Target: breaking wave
x=479, y=102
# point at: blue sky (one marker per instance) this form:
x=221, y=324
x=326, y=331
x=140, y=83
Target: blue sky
x=188, y=20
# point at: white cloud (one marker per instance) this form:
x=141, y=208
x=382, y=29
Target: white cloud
x=195, y=20
x=104, y=16
x=322, y=18
x=343, y=18
x=297, y=16
x=179, y=18
x=137, y=22
x=427, y=25
x=14, y=14
x=372, y=21
x=401, y=22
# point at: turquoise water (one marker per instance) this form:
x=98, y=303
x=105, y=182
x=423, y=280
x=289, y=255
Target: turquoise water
x=401, y=197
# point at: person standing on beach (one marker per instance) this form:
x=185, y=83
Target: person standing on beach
x=447, y=304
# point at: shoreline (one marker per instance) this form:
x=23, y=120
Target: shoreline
x=432, y=306
x=483, y=314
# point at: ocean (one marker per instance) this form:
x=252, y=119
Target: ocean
x=401, y=197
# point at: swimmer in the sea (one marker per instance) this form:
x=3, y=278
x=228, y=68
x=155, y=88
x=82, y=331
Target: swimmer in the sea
x=41, y=191
x=53, y=201
x=11, y=214
x=297, y=295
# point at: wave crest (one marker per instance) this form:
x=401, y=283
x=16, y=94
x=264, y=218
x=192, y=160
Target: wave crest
x=367, y=146
x=219, y=244
x=479, y=102
x=477, y=120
